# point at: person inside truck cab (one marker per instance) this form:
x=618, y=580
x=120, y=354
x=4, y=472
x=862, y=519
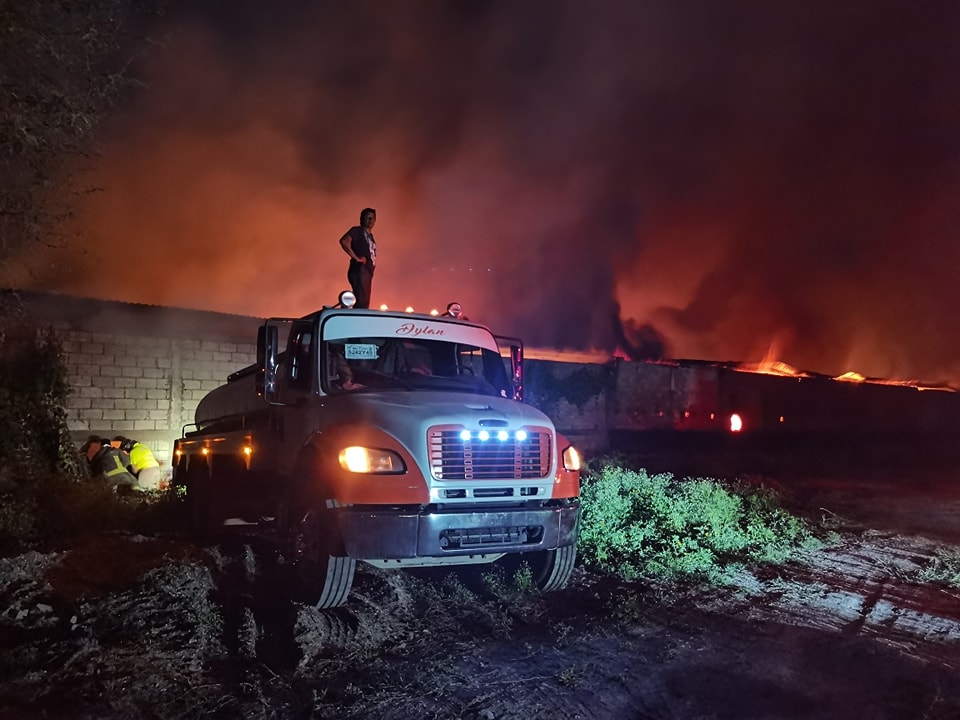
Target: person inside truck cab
x=340, y=371
x=404, y=357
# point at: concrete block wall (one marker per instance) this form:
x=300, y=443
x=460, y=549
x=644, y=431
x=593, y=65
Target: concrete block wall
x=141, y=370
x=585, y=426
x=572, y=395
x=143, y=387
x=204, y=365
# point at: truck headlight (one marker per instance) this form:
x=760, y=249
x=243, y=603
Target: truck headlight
x=371, y=460
x=571, y=458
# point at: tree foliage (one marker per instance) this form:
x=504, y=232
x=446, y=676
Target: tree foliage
x=63, y=65
x=34, y=437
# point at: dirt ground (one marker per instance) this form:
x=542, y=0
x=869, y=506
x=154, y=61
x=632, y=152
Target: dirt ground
x=156, y=627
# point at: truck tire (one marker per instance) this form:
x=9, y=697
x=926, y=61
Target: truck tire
x=551, y=569
x=322, y=579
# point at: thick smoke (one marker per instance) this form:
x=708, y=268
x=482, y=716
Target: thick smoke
x=737, y=177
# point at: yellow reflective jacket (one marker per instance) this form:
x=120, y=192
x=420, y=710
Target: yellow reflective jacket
x=141, y=457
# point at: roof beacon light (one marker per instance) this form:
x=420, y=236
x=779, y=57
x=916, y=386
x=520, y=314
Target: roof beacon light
x=347, y=299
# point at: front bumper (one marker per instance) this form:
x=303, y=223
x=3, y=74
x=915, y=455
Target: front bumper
x=371, y=534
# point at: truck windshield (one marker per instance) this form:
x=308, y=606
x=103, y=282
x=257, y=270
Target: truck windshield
x=377, y=363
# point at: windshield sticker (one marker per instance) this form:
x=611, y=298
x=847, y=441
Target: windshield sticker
x=357, y=351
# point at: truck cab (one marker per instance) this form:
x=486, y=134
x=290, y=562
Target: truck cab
x=396, y=439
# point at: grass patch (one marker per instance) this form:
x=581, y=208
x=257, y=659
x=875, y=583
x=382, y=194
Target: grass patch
x=944, y=567
x=634, y=525
x=53, y=510
x=510, y=589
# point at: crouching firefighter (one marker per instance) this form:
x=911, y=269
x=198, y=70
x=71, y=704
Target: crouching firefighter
x=109, y=463
x=144, y=465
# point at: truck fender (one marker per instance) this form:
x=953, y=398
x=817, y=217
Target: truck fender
x=408, y=487
x=566, y=483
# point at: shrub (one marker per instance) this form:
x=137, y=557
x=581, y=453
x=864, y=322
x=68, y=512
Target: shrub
x=640, y=525
x=51, y=510
x=34, y=437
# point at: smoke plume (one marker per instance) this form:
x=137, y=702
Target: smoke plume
x=735, y=176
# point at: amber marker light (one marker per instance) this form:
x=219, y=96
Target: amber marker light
x=205, y=451
x=247, y=450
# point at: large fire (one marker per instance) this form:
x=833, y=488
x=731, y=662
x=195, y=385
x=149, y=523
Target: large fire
x=767, y=366
x=771, y=366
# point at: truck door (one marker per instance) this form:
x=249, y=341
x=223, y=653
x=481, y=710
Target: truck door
x=515, y=346
x=301, y=367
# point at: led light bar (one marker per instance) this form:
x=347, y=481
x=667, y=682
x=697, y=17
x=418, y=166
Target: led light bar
x=501, y=435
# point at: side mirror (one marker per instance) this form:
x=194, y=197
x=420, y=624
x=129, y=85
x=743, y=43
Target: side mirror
x=516, y=366
x=267, y=341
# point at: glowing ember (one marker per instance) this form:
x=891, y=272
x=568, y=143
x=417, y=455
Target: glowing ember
x=851, y=377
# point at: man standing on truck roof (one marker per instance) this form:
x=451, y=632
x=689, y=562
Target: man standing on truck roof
x=358, y=243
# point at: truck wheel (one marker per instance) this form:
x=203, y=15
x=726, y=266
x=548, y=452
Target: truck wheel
x=323, y=580
x=551, y=568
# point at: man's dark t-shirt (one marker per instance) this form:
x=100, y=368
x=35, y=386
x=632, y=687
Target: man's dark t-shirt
x=362, y=248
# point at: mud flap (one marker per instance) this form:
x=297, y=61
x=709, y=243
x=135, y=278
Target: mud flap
x=197, y=484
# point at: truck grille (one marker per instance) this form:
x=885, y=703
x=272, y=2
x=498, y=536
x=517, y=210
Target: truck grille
x=454, y=456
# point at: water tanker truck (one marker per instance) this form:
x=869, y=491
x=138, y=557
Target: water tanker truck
x=391, y=438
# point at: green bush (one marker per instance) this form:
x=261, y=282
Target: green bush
x=34, y=437
x=639, y=525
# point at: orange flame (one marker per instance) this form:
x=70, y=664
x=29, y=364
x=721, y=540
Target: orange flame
x=771, y=366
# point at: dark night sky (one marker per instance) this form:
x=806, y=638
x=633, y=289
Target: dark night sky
x=746, y=177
